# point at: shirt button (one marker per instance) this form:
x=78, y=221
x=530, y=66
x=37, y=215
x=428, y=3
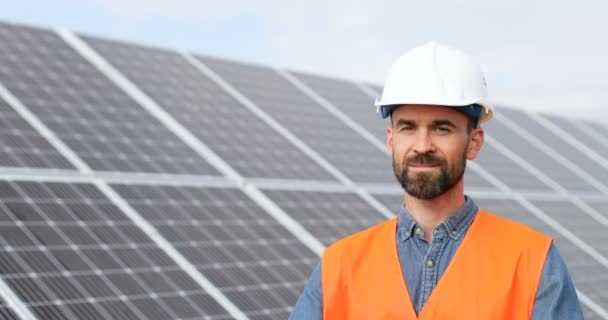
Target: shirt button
x=417, y=231
x=429, y=263
x=454, y=233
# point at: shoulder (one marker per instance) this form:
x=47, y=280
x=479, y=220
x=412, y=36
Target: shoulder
x=513, y=230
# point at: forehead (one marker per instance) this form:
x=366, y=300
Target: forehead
x=422, y=112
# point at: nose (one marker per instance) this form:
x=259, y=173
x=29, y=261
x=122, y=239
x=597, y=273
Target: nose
x=424, y=143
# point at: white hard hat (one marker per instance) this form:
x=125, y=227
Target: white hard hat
x=436, y=74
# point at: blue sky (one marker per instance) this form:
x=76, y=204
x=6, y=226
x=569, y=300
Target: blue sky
x=543, y=55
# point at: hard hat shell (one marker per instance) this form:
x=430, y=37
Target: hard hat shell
x=435, y=74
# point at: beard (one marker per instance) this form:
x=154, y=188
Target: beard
x=429, y=185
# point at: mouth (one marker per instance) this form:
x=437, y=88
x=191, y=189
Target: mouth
x=423, y=166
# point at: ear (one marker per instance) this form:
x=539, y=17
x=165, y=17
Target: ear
x=476, y=138
x=389, y=140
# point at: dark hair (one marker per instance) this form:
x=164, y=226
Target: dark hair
x=472, y=122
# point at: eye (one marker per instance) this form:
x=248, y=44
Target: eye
x=443, y=129
x=407, y=128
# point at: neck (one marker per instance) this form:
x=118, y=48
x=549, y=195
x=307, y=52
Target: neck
x=430, y=213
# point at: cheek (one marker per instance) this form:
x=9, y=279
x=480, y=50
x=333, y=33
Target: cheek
x=456, y=151
x=399, y=150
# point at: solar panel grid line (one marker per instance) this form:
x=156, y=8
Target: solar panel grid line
x=14, y=302
x=147, y=103
x=36, y=174
x=42, y=175
x=589, y=131
x=280, y=184
x=164, y=179
x=381, y=188
x=552, y=153
x=171, y=251
x=548, y=181
x=550, y=196
x=41, y=128
x=570, y=139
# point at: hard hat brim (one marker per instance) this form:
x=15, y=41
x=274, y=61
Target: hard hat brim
x=483, y=111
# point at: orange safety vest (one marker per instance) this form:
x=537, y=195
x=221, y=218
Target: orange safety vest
x=494, y=275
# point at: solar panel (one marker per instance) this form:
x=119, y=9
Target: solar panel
x=586, y=227
x=107, y=129
x=573, y=127
x=327, y=215
x=508, y=171
x=239, y=136
x=600, y=128
x=327, y=135
x=70, y=253
x=22, y=146
x=350, y=99
x=249, y=256
x=543, y=160
x=392, y=201
x=599, y=206
x=111, y=244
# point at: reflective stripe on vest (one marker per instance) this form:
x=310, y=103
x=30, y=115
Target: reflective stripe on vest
x=494, y=274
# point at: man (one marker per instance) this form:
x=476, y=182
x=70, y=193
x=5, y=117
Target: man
x=442, y=257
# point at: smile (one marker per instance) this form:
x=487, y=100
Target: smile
x=423, y=166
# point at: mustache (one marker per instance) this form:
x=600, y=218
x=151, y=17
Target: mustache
x=425, y=158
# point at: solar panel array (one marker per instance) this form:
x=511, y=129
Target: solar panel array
x=146, y=183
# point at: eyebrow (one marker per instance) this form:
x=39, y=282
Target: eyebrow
x=435, y=123
x=404, y=122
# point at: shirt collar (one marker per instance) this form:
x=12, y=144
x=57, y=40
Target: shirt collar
x=455, y=225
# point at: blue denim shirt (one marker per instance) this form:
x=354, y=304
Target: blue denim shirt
x=555, y=299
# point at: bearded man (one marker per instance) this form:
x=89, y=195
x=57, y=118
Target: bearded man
x=441, y=257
